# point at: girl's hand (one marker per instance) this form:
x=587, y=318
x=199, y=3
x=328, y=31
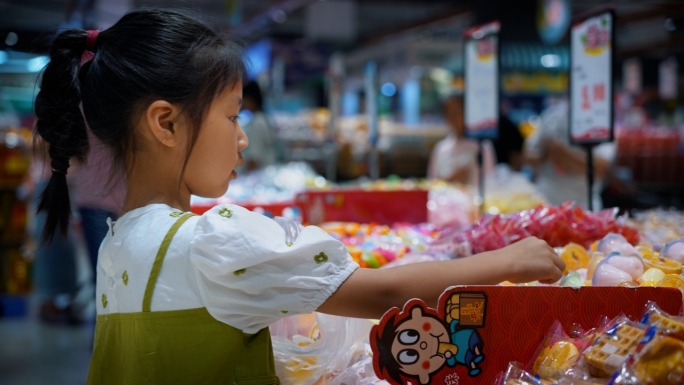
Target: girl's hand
x=531, y=259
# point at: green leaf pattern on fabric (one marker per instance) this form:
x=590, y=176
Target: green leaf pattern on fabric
x=225, y=212
x=320, y=258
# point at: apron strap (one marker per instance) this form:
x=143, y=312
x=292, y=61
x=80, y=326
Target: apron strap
x=159, y=260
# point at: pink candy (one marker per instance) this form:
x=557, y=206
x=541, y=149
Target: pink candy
x=631, y=265
x=616, y=243
x=674, y=250
x=609, y=275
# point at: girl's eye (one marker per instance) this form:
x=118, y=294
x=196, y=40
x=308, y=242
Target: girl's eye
x=407, y=357
x=408, y=337
x=233, y=118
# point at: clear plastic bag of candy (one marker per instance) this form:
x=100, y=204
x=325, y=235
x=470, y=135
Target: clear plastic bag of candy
x=306, y=346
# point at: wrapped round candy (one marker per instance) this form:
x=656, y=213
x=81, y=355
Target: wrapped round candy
x=616, y=243
x=630, y=264
x=674, y=250
x=609, y=275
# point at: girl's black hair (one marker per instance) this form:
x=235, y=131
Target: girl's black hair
x=149, y=54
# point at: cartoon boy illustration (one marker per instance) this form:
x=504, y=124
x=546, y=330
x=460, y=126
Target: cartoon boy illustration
x=422, y=343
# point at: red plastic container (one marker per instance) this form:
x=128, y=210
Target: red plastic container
x=383, y=207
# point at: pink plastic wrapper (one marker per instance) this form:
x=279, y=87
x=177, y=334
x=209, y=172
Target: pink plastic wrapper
x=557, y=225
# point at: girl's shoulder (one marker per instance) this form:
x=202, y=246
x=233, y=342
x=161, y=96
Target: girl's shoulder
x=231, y=227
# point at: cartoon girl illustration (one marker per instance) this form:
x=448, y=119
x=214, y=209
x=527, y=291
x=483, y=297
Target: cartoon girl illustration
x=417, y=343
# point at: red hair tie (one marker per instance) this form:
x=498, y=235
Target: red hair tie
x=88, y=54
x=91, y=39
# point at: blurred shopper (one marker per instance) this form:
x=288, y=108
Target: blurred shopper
x=454, y=158
x=96, y=198
x=509, y=145
x=262, y=145
x=561, y=168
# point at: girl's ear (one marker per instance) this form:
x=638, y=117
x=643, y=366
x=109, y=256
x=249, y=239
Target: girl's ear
x=162, y=118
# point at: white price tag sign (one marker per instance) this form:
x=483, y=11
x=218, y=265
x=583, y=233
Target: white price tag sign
x=667, y=79
x=591, y=79
x=482, y=82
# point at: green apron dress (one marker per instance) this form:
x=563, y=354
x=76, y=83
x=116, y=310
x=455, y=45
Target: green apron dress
x=177, y=347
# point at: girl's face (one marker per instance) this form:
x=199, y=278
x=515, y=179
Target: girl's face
x=217, y=152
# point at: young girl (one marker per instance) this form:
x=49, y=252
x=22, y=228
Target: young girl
x=186, y=299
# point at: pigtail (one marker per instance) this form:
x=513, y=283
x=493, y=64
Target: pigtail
x=61, y=125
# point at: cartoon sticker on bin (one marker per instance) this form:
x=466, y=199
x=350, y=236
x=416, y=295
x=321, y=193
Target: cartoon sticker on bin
x=419, y=344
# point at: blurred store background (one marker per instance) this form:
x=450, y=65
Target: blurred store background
x=351, y=90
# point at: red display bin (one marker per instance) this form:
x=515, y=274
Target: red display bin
x=509, y=323
x=383, y=207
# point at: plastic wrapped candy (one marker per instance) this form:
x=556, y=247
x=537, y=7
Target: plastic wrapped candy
x=573, y=279
x=667, y=323
x=609, y=275
x=596, y=258
x=674, y=250
x=630, y=264
x=651, y=277
x=450, y=206
x=557, y=225
x=620, y=340
x=557, y=353
x=674, y=281
x=575, y=257
x=660, y=362
x=374, y=246
x=515, y=375
x=616, y=243
x=659, y=226
x=668, y=266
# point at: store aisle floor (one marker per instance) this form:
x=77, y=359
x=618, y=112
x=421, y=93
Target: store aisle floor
x=33, y=353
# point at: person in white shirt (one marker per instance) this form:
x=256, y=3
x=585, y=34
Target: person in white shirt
x=561, y=168
x=454, y=158
x=262, y=144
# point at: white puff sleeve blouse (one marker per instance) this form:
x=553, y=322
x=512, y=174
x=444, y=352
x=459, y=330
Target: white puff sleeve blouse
x=252, y=271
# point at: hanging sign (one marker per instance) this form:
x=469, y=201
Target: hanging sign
x=631, y=76
x=667, y=79
x=481, y=110
x=591, y=78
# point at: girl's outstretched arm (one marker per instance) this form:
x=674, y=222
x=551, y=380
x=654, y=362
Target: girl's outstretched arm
x=369, y=293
